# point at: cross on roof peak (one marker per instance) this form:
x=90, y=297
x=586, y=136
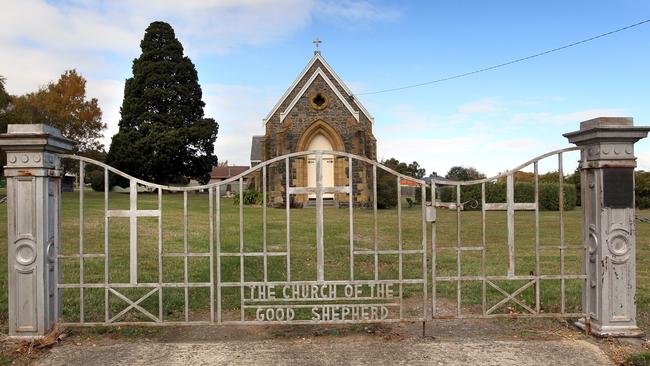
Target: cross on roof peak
x=317, y=42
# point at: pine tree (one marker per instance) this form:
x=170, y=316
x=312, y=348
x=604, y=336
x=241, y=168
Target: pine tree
x=163, y=135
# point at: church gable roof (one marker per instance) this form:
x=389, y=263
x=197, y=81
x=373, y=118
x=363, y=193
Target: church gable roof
x=256, y=149
x=319, y=72
x=322, y=70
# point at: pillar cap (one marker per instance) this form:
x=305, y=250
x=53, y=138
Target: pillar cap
x=35, y=137
x=607, y=129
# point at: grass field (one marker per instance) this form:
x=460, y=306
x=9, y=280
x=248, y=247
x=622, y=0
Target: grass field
x=303, y=258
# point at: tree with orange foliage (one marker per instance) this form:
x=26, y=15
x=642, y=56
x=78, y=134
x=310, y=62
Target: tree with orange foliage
x=62, y=105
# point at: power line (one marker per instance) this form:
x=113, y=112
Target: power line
x=509, y=62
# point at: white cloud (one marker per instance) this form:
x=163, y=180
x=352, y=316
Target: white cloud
x=588, y=114
x=110, y=93
x=70, y=26
x=643, y=161
x=572, y=117
x=480, y=106
x=418, y=122
x=357, y=11
x=517, y=145
x=40, y=40
x=118, y=26
x=537, y=101
x=480, y=152
x=239, y=109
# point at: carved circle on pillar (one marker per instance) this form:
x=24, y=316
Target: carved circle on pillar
x=25, y=158
x=50, y=251
x=592, y=247
x=619, y=243
x=13, y=158
x=25, y=251
x=37, y=159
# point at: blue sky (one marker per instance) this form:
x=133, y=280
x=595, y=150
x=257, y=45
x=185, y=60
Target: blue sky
x=248, y=52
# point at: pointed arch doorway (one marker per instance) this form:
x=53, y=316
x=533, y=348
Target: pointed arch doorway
x=321, y=136
x=320, y=142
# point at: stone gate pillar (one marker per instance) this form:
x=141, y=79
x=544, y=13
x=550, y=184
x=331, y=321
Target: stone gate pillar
x=607, y=165
x=33, y=173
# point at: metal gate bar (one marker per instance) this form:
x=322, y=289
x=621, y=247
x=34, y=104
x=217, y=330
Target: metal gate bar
x=374, y=215
x=561, y=208
x=218, y=230
x=399, y=243
x=288, y=212
x=350, y=210
x=537, y=253
x=160, y=256
x=510, y=206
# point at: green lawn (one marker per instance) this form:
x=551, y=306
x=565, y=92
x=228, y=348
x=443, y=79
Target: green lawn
x=303, y=259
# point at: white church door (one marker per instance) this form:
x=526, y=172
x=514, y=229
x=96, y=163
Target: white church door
x=320, y=142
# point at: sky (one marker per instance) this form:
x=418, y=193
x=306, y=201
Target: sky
x=247, y=53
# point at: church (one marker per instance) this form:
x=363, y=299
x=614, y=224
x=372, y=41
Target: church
x=317, y=112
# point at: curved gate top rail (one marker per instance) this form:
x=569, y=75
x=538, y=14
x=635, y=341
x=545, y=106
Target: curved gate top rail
x=437, y=180
x=442, y=181
x=245, y=173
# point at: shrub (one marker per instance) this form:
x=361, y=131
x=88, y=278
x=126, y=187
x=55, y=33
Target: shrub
x=251, y=197
x=386, y=190
x=643, y=202
x=96, y=179
x=549, y=195
x=418, y=193
x=642, y=189
x=638, y=359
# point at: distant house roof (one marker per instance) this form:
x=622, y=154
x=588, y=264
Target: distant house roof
x=256, y=149
x=225, y=172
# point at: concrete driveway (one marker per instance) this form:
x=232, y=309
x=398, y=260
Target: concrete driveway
x=446, y=343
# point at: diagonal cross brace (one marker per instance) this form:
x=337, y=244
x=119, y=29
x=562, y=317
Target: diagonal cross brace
x=510, y=297
x=134, y=304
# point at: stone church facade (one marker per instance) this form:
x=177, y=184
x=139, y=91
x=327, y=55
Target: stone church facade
x=317, y=112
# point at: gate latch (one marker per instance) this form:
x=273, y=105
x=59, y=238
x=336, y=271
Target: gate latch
x=430, y=213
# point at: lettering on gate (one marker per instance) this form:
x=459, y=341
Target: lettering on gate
x=323, y=302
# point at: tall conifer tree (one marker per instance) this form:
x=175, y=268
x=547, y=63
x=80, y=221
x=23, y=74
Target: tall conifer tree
x=163, y=135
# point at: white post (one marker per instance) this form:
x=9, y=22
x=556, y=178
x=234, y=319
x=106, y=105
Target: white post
x=33, y=173
x=607, y=165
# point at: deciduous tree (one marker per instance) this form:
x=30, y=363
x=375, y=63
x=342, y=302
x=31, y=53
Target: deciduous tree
x=5, y=101
x=463, y=173
x=4, y=96
x=63, y=105
x=387, y=183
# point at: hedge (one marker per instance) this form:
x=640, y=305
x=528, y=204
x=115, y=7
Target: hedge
x=549, y=195
x=251, y=197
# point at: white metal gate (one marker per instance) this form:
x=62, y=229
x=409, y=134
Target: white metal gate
x=374, y=296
